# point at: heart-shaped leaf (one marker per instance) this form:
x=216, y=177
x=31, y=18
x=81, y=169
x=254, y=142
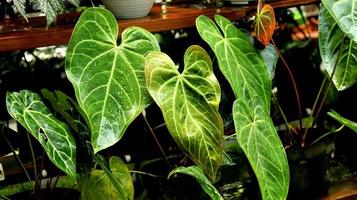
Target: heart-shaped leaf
x=345, y=14
x=28, y=109
x=100, y=184
x=108, y=79
x=249, y=78
x=344, y=121
x=265, y=24
x=331, y=37
x=239, y=62
x=198, y=174
x=260, y=142
x=189, y=103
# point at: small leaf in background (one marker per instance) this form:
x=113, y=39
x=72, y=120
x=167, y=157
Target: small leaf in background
x=189, y=102
x=197, y=173
x=270, y=57
x=264, y=25
x=20, y=6
x=28, y=109
x=331, y=37
x=344, y=121
x=345, y=14
x=108, y=78
x=261, y=144
x=112, y=183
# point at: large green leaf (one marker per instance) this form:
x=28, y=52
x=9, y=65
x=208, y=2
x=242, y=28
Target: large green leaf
x=100, y=184
x=249, y=78
x=197, y=173
x=108, y=79
x=331, y=37
x=345, y=14
x=189, y=103
x=240, y=63
x=258, y=138
x=270, y=56
x=28, y=109
x=350, y=124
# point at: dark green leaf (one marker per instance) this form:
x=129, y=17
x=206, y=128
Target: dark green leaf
x=189, y=103
x=113, y=183
x=197, y=173
x=108, y=79
x=263, y=148
x=345, y=14
x=20, y=6
x=28, y=109
x=331, y=37
x=344, y=121
x=240, y=63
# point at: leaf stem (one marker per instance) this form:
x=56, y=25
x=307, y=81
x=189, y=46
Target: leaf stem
x=328, y=133
x=292, y=80
x=317, y=113
x=284, y=118
x=33, y=160
x=145, y=173
x=156, y=140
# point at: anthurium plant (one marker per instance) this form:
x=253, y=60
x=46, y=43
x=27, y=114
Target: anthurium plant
x=114, y=83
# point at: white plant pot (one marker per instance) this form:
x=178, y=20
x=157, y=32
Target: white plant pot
x=129, y=8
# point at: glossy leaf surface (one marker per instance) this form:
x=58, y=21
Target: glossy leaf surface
x=331, y=37
x=101, y=186
x=265, y=24
x=197, y=173
x=108, y=79
x=249, y=78
x=239, y=62
x=257, y=136
x=28, y=109
x=345, y=14
x=189, y=103
x=344, y=121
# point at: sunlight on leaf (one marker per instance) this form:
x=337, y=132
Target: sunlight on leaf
x=189, y=103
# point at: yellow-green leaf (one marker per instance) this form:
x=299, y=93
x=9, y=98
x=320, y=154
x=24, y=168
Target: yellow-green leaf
x=189, y=103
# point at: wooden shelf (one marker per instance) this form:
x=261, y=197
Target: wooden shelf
x=20, y=35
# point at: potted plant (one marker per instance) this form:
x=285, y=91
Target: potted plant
x=129, y=9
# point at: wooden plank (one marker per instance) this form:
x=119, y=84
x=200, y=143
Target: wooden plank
x=19, y=35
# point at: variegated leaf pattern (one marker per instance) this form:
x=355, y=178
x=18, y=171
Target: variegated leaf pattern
x=249, y=78
x=331, y=37
x=100, y=185
x=197, y=173
x=108, y=79
x=28, y=109
x=258, y=138
x=265, y=24
x=189, y=103
x=345, y=14
x=240, y=63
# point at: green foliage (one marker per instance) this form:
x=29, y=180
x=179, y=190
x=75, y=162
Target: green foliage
x=344, y=121
x=108, y=79
x=345, y=14
x=28, y=109
x=270, y=56
x=239, y=62
x=189, y=102
x=197, y=173
x=334, y=44
x=249, y=78
x=258, y=139
x=101, y=185
x=51, y=8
